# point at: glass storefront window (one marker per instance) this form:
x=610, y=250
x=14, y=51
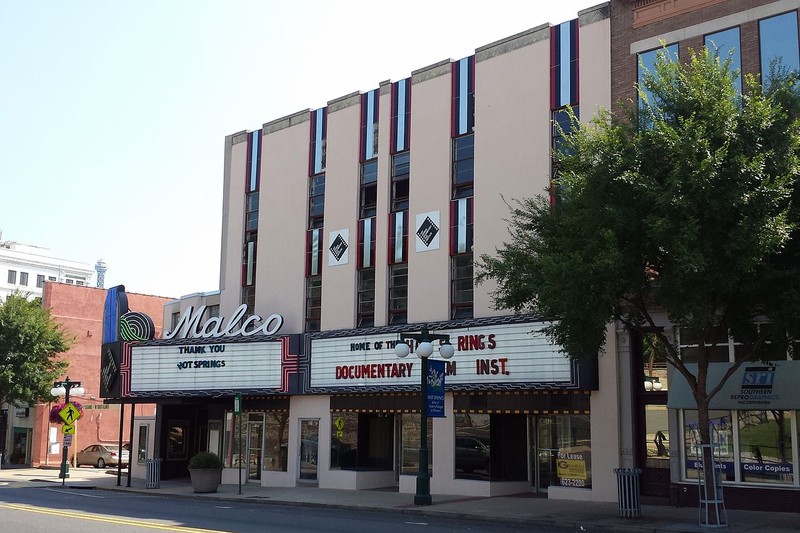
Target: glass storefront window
x=721, y=438
x=410, y=434
x=574, y=456
x=231, y=445
x=473, y=460
x=344, y=441
x=657, y=436
x=276, y=441
x=361, y=441
x=765, y=446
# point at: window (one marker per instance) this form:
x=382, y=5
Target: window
x=174, y=320
x=212, y=311
x=80, y=283
x=177, y=439
x=463, y=166
x=369, y=189
x=70, y=281
x=141, y=452
x=726, y=45
x=366, y=298
x=562, y=126
x=276, y=441
x=12, y=277
x=39, y=281
x=398, y=294
x=779, y=45
x=313, y=303
x=647, y=63
x=400, y=172
x=461, y=286
x=362, y=441
x=410, y=438
x=51, y=278
x=316, y=201
x=721, y=437
x=249, y=255
x=251, y=212
x=765, y=446
x=23, y=279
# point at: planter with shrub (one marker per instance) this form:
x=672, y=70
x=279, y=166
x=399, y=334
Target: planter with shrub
x=205, y=469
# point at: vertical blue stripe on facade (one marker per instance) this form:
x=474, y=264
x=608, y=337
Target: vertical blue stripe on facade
x=463, y=96
x=401, y=116
x=564, y=67
x=255, y=157
x=318, y=134
x=369, y=125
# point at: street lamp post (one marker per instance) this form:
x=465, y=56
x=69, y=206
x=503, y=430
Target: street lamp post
x=63, y=388
x=424, y=349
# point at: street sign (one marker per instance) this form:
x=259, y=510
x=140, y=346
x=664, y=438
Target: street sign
x=237, y=404
x=67, y=441
x=69, y=413
x=68, y=429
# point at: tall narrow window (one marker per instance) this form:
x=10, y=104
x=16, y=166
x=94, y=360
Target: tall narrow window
x=398, y=294
x=369, y=189
x=12, y=277
x=365, y=265
x=463, y=166
x=250, y=244
x=779, y=45
x=316, y=219
x=646, y=63
x=39, y=281
x=461, y=290
x=366, y=298
x=726, y=44
x=400, y=173
x=23, y=278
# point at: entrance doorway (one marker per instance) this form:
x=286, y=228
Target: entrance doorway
x=544, y=451
x=255, y=439
x=309, y=450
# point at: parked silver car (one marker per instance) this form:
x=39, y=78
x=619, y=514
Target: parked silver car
x=100, y=455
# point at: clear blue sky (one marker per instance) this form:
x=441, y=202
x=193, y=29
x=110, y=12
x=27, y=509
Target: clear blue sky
x=113, y=114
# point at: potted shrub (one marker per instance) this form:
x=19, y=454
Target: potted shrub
x=205, y=469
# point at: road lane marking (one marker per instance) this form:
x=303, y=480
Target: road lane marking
x=98, y=518
x=76, y=493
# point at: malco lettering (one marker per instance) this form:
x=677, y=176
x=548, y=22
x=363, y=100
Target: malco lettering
x=189, y=326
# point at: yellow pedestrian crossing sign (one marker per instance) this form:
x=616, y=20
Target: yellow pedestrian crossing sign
x=68, y=429
x=69, y=414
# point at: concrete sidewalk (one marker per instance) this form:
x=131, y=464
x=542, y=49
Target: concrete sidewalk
x=522, y=509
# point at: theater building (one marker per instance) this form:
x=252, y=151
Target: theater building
x=346, y=227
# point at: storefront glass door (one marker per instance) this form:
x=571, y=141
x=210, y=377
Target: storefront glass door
x=544, y=451
x=255, y=438
x=309, y=448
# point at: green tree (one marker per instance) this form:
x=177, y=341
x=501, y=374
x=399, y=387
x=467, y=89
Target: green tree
x=30, y=342
x=683, y=207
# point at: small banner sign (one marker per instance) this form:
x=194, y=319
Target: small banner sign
x=435, y=379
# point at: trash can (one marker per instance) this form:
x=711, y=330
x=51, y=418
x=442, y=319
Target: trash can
x=153, y=480
x=628, y=492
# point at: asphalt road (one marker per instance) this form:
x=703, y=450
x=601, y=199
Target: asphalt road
x=56, y=509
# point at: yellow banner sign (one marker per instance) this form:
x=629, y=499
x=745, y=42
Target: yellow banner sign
x=68, y=429
x=571, y=468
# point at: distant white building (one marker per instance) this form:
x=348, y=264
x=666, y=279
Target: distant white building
x=25, y=268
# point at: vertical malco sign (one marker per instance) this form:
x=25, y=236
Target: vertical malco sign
x=501, y=354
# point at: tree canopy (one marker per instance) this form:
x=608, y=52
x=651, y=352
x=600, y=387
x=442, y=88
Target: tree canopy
x=30, y=342
x=685, y=205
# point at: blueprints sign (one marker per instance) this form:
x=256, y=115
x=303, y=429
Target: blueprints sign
x=436, y=370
